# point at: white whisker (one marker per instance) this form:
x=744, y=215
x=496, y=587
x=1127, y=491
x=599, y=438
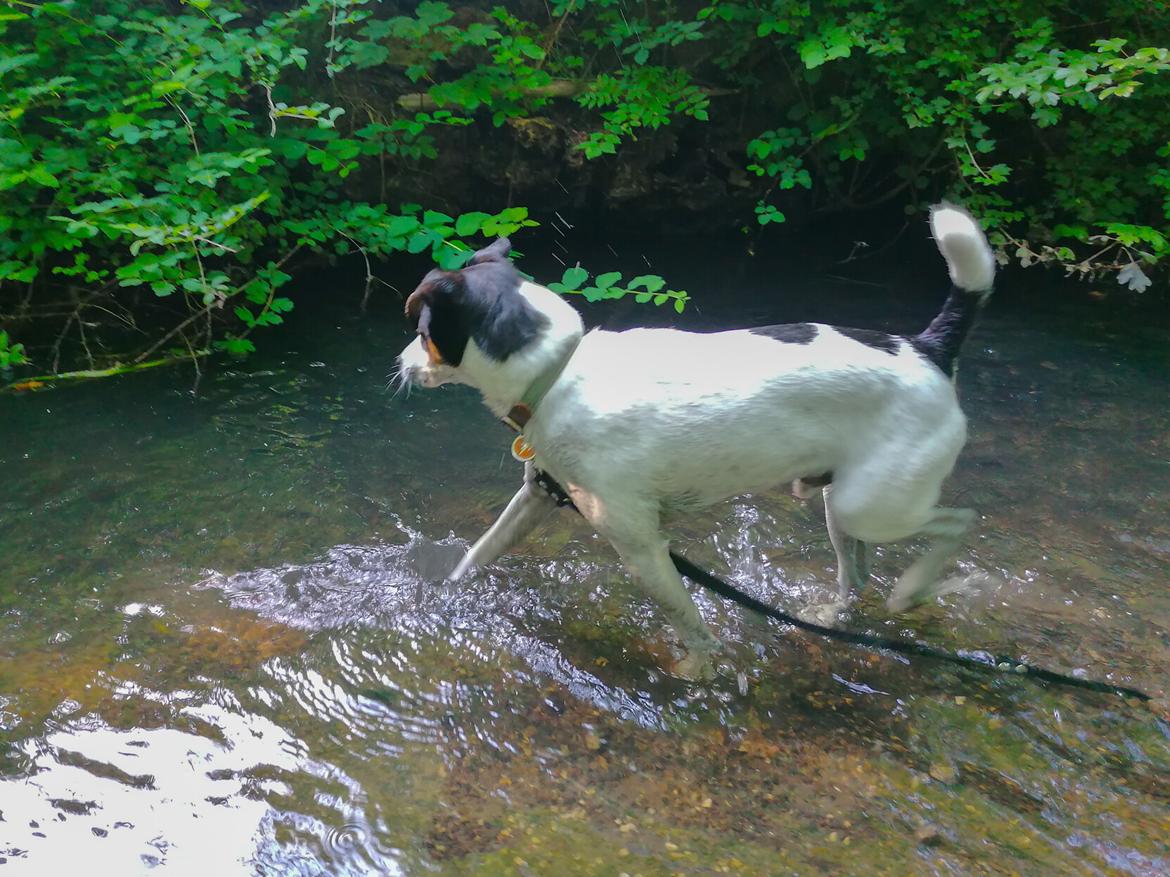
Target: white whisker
x=400, y=379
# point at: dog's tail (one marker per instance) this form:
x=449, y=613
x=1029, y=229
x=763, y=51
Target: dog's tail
x=971, y=265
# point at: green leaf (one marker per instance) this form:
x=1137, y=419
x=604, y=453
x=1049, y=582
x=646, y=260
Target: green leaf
x=419, y=241
x=469, y=223
x=38, y=174
x=431, y=13
x=574, y=277
x=1061, y=230
x=400, y=226
x=167, y=86
x=432, y=218
x=649, y=282
x=605, y=281
x=452, y=259
x=236, y=346
x=812, y=53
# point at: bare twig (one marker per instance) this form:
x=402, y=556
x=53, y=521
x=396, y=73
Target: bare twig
x=195, y=362
x=204, y=311
x=186, y=121
x=86, y=374
x=370, y=278
x=557, y=88
x=84, y=341
x=271, y=109
x=215, y=244
x=553, y=37
x=332, y=39
x=75, y=315
x=175, y=331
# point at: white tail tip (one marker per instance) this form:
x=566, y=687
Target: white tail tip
x=962, y=243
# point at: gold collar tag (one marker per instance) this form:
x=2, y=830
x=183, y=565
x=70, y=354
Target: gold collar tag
x=521, y=450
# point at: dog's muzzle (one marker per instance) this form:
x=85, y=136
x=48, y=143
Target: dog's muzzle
x=408, y=373
x=416, y=370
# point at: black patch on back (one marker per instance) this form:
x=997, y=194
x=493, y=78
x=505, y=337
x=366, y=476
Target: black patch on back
x=788, y=333
x=482, y=301
x=870, y=338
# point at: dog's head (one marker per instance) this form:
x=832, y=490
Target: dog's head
x=485, y=326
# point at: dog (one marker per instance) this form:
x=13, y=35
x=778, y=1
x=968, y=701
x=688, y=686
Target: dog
x=640, y=423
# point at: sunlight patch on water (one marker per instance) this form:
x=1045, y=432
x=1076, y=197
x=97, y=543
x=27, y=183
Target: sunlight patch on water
x=398, y=589
x=152, y=798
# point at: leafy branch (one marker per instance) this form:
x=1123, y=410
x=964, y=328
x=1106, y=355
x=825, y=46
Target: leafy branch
x=645, y=288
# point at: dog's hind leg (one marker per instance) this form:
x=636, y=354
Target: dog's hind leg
x=526, y=509
x=852, y=560
x=648, y=561
x=852, y=566
x=861, y=564
x=922, y=579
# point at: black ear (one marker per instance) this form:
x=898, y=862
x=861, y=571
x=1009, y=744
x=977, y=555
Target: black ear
x=481, y=301
x=495, y=252
x=437, y=310
x=424, y=321
x=503, y=321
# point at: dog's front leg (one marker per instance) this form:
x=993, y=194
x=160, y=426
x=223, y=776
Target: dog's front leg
x=525, y=510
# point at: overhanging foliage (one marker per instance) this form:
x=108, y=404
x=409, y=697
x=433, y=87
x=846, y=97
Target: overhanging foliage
x=157, y=153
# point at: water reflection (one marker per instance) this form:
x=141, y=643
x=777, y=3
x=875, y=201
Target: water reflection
x=144, y=798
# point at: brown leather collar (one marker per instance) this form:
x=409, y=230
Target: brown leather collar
x=520, y=413
x=517, y=417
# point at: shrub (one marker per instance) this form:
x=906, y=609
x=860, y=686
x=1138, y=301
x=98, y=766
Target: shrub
x=154, y=153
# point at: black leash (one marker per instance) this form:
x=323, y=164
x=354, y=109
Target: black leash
x=989, y=664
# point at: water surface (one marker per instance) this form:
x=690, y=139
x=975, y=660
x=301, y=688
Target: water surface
x=223, y=651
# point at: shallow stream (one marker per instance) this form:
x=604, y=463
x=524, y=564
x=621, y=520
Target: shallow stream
x=222, y=651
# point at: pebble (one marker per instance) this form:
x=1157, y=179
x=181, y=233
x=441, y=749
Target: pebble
x=943, y=772
x=928, y=835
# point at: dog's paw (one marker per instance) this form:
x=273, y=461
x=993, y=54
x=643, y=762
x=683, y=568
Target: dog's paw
x=801, y=490
x=697, y=663
x=824, y=614
x=971, y=583
x=695, y=666
x=434, y=562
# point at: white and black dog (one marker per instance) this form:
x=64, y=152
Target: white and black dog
x=639, y=423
